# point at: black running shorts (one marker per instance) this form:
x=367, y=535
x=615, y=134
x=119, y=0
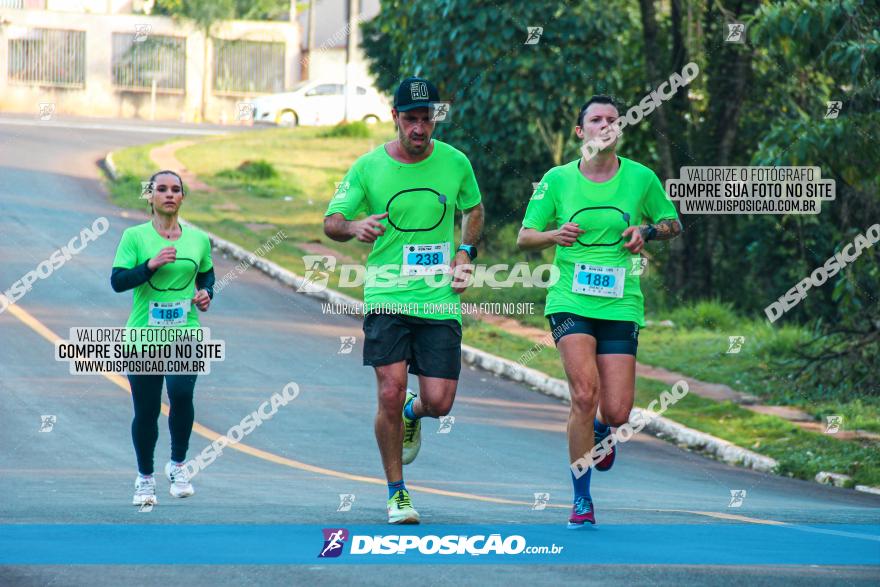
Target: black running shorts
x=431, y=347
x=613, y=337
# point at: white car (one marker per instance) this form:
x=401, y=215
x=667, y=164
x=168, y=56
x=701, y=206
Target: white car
x=314, y=102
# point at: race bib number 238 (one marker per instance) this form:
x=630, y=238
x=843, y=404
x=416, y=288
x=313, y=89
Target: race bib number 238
x=425, y=259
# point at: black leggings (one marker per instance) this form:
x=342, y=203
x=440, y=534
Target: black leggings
x=146, y=393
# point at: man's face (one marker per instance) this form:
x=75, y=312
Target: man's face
x=597, y=126
x=414, y=129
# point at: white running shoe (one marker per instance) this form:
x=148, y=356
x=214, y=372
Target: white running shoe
x=401, y=510
x=144, y=491
x=412, y=433
x=180, y=485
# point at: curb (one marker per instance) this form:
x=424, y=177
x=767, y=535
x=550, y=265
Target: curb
x=835, y=479
x=110, y=167
x=541, y=382
x=841, y=480
x=659, y=425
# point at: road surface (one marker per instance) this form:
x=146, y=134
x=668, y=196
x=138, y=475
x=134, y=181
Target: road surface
x=663, y=512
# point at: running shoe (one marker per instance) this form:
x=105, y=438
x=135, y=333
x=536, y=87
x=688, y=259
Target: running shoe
x=581, y=514
x=179, y=478
x=144, y=491
x=400, y=509
x=412, y=433
x=607, y=461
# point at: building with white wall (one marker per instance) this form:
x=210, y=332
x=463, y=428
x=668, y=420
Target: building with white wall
x=108, y=58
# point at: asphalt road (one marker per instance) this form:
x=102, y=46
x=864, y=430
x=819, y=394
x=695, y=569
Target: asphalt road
x=664, y=515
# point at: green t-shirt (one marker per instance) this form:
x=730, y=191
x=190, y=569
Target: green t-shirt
x=407, y=270
x=599, y=278
x=167, y=296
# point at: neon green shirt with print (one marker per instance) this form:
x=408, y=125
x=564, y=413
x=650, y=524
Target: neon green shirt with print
x=599, y=278
x=166, y=299
x=408, y=268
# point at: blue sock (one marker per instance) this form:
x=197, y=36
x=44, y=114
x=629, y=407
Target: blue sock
x=600, y=428
x=395, y=487
x=408, y=411
x=582, y=485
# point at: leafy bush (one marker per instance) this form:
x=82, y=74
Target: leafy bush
x=259, y=178
x=255, y=170
x=357, y=129
x=713, y=315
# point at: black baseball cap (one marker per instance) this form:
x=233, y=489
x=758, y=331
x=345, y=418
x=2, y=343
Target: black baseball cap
x=415, y=92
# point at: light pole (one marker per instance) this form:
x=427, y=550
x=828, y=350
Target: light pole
x=350, y=47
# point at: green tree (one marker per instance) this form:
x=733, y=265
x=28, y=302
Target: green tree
x=205, y=15
x=758, y=103
x=513, y=106
x=830, y=51
x=241, y=9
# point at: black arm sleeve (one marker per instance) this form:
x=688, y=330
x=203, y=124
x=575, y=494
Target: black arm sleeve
x=205, y=280
x=123, y=279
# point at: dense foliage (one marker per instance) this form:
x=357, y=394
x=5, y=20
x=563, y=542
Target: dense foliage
x=761, y=102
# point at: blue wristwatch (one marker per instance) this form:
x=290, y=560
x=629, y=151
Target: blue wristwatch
x=471, y=250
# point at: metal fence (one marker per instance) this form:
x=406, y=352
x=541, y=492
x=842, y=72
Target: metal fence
x=48, y=57
x=53, y=57
x=248, y=66
x=14, y=4
x=139, y=59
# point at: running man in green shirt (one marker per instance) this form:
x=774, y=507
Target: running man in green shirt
x=600, y=212
x=409, y=190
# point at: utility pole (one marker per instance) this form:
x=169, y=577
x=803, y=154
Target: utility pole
x=350, y=47
x=310, y=47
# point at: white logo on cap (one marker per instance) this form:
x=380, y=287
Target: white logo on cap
x=419, y=90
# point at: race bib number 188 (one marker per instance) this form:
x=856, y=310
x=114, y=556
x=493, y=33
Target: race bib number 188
x=596, y=280
x=168, y=313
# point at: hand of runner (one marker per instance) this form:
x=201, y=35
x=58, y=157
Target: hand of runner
x=462, y=272
x=165, y=256
x=636, y=243
x=202, y=300
x=567, y=234
x=369, y=229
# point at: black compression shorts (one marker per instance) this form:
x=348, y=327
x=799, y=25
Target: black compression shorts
x=613, y=337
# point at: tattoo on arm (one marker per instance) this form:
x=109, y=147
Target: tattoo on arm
x=665, y=230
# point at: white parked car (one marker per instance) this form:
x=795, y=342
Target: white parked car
x=321, y=102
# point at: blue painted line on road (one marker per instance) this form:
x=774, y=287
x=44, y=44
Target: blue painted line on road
x=670, y=544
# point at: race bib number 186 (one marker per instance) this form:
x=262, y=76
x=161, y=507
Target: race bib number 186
x=168, y=313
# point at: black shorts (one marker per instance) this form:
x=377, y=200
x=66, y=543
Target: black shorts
x=613, y=337
x=431, y=347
